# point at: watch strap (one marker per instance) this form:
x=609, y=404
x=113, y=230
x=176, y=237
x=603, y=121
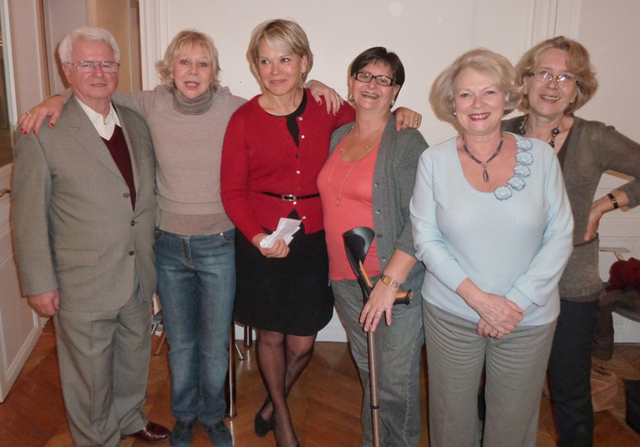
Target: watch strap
x=390, y=282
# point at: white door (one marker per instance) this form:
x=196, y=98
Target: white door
x=19, y=325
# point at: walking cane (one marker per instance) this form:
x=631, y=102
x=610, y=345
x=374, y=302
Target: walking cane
x=357, y=242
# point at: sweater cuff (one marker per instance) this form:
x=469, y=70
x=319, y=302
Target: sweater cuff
x=450, y=274
x=519, y=298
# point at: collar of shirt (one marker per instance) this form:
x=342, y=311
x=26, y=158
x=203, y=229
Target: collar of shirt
x=104, y=126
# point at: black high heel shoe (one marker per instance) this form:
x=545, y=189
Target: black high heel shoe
x=260, y=426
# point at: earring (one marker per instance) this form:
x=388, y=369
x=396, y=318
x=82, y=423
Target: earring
x=454, y=113
x=393, y=101
x=351, y=98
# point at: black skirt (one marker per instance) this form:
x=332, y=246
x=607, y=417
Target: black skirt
x=288, y=295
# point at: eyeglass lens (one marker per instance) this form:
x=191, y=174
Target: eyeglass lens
x=545, y=76
x=88, y=66
x=381, y=80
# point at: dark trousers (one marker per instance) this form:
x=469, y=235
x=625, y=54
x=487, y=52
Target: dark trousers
x=569, y=373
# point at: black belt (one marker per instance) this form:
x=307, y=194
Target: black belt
x=290, y=197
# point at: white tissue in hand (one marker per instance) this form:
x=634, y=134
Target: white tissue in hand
x=286, y=229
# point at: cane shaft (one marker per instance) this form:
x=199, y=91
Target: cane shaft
x=373, y=384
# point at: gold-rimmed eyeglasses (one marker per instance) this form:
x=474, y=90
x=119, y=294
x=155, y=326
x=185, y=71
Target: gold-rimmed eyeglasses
x=545, y=76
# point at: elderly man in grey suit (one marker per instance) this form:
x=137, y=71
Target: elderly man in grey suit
x=83, y=221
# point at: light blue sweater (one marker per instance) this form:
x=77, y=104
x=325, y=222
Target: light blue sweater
x=516, y=247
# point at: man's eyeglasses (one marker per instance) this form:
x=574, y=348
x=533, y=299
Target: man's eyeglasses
x=545, y=76
x=381, y=80
x=89, y=66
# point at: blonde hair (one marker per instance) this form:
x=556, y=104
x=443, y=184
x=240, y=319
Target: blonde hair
x=185, y=39
x=493, y=65
x=577, y=63
x=284, y=35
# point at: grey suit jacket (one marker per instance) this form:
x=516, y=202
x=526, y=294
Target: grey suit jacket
x=73, y=223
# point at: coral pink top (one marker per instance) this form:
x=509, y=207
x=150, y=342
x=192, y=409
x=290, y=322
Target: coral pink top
x=346, y=192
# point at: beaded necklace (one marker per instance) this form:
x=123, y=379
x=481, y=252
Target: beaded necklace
x=485, y=174
x=554, y=132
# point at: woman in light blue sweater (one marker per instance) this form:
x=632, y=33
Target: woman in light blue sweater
x=492, y=223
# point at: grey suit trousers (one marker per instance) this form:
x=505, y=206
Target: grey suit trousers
x=104, y=367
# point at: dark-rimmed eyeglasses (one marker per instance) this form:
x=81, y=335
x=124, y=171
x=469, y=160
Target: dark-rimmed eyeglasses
x=381, y=80
x=89, y=66
x=545, y=76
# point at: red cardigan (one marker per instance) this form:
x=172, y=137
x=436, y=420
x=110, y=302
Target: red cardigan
x=259, y=154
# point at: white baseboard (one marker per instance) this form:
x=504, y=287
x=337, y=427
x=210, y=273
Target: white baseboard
x=625, y=330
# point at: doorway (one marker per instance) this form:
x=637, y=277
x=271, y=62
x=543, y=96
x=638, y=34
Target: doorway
x=6, y=134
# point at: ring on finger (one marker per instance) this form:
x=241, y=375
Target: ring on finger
x=493, y=333
x=29, y=113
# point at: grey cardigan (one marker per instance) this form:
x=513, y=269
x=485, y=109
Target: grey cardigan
x=591, y=148
x=393, y=178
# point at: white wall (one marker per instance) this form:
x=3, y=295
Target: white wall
x=428, y=36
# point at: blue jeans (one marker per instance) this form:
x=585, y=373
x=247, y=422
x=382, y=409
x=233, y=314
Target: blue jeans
x=196, y=287
x=398, y=349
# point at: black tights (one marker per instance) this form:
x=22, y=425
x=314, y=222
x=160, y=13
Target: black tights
x=282, y=358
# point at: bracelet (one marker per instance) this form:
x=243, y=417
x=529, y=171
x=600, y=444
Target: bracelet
x=614, y=201
x=390, y=282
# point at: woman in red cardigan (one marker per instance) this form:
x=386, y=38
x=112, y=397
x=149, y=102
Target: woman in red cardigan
x=273, y=150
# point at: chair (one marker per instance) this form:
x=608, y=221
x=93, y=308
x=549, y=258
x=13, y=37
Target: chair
x=621, y=308
x=156, y=325
x=624, y=302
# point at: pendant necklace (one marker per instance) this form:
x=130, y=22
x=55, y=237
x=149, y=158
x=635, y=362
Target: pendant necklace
x=554, y=132
x=485, y=174
x=337, y=200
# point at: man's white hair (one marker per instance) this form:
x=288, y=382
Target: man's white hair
x=87, y=34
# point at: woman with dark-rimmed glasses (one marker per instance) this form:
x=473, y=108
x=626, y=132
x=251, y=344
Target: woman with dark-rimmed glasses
x=367, y=181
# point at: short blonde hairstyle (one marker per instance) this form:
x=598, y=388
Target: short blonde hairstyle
x=493, y=65
x=577, y=63
x=185, y=39
x=284, y=35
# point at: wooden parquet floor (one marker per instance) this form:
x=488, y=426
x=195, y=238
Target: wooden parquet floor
x=325, y=403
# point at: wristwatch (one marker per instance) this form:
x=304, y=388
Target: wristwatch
x=390, y=282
